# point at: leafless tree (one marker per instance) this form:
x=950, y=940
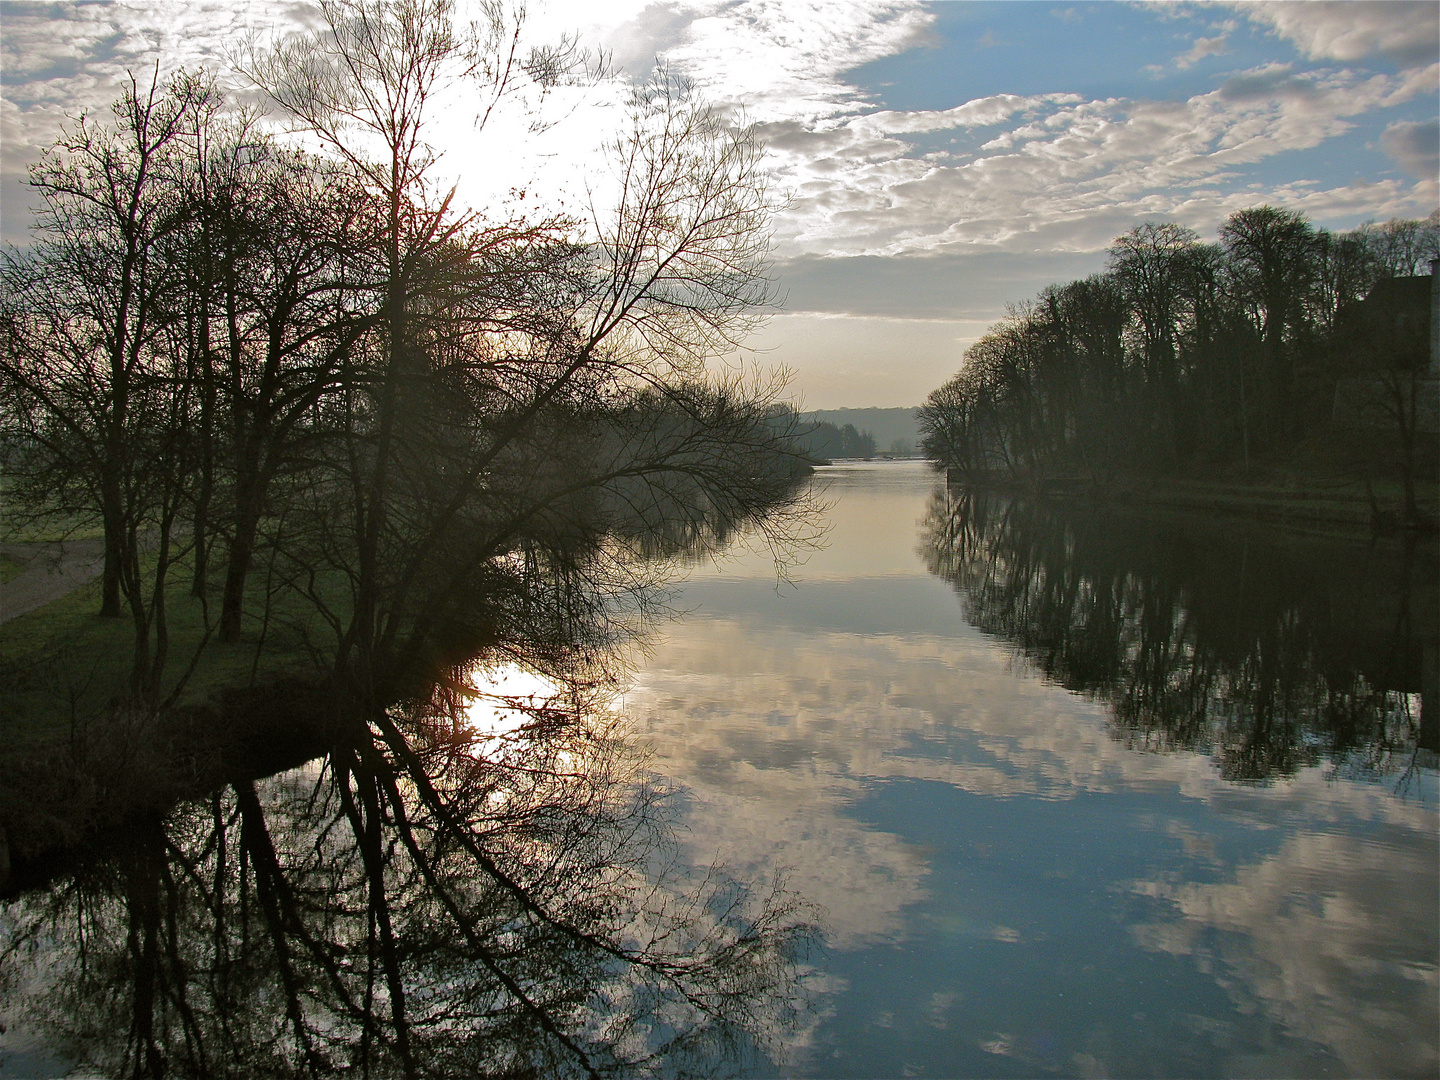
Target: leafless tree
x=100, y=277
x=98, y=404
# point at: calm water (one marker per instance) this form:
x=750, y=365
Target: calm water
x=1216, y=855
x=1071, y=794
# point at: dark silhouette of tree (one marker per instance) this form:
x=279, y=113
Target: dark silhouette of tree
x=278, y=303
x=95, y=393
x=431, y=900
x=1154, y=266
x=1272, y=260
x=824, y=441
x=1383, y=345
x=385, y=400
x=1184, y=358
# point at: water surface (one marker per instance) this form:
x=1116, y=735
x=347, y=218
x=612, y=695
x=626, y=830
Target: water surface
x=1074, y=791
x=1079, y=796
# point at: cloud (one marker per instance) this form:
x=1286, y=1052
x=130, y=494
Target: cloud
x=1203, y=47
x=1405, y=32
x=1063, y=174
x=1275, y=80
x=61, y=60
x=942, y=191
x=978, y=112
x=636, y=43
x=1414, y=146
x=784, y=60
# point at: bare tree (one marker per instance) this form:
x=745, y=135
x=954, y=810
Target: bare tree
x=1400, y=247
x=101, y=281
x=1151, y=263
x=91, y=377
x=279, y=296
x=364, y=83
x=490, y=332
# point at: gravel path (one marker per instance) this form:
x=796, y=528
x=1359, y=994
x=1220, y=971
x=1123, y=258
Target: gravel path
x=51, y=571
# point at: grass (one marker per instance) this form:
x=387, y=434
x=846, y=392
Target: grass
x=49, y=530
x=10, y=568
x=1308, y=503
x=63, y=664
x=38, y=525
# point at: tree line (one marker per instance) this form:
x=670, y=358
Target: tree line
x=264, y=367
x=820, y=440
x=1187, y=356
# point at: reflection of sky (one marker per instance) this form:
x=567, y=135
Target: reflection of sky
x=1010, y=890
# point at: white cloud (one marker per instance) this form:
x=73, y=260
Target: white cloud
x=782, y=59
x=1066, y=174
x=1035, y=173
x=1346, y=30
x=775, y=60
x=1057, y=171
x=61, y=60
x=979, y=112
x=1203, y=47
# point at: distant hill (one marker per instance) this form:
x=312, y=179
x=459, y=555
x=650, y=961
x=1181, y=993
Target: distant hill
x=887, y=425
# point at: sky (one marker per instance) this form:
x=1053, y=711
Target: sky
x=936, y=162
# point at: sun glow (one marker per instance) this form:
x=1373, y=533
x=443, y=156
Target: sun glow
x=504, y=699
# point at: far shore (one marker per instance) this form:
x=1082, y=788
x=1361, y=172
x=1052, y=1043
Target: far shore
x=1347, y=507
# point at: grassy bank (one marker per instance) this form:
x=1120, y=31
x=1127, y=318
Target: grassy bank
x=10, y=568
x=1349, y=508
x=76, y=762
x=62, y=666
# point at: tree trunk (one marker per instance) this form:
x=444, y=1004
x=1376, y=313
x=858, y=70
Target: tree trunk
x=110, y=582
x=248, y=497
x=205, y=494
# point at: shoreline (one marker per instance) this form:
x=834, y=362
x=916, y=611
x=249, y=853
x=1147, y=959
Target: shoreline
x=1344, y=508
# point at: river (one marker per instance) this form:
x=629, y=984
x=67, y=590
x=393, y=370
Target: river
x=968, y=787
x=1019, y=879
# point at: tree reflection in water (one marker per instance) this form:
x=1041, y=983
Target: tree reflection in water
x=1199, y=637
x=431, y=899
x=466, y=881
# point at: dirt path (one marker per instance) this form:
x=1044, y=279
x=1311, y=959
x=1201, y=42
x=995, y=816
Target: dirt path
x=51, y=571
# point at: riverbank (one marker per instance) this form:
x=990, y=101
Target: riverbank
x=70, y=794
x=1348, y=508
x=76, y=763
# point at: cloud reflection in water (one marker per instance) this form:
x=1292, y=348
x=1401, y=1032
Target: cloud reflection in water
x=819, y=727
